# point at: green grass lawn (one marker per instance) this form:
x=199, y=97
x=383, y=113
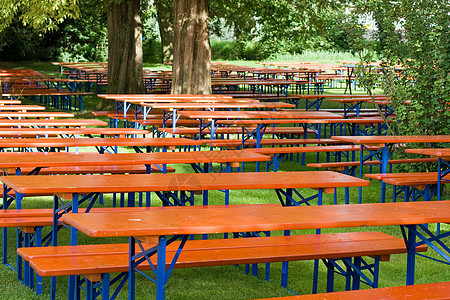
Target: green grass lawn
x=231, y=282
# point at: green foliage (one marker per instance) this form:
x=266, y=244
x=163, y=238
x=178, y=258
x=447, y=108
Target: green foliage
x=151, y=46
x=41, y=15
x=237, y=50
x=413, y=42
x=276, y=26
x=21, y=43
x=224, y=50
x=82, y=39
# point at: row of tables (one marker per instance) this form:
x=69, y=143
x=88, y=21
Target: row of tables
x=175, y=189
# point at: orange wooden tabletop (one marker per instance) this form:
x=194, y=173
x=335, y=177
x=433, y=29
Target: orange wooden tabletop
x=36, y=115
x=443, y=153
x=260, y=114
x=382, y=176
x=91, y=142
x=379, y=140
x=3, y=101
x=436, y=291
x=302, y=121
x=252, y=81
x=179, y=182
x=178, y=105
x=55, y=159
x=42, y=92
x=354, y=100
x=163, y=96
x=184, y=100
x=21, y=107
x=261, y=218
x=13, y=132
x=54, y=122
x=339, y=96
x=313, y=149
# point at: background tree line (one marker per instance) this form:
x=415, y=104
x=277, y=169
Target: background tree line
x=254, y=31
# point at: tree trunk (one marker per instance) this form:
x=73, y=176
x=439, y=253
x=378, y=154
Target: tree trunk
x=125, y=48
x=164, y=11
x=192, y=51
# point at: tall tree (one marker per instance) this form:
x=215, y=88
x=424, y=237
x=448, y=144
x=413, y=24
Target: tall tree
x=164, y=13
x=125, y=60
x=192, y=51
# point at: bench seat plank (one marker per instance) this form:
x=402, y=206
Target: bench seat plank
x=257, y=251
x=436, y=291
x=31, y=253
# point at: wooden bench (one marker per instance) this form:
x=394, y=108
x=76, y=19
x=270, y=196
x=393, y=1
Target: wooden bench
x=64, y=100
x=113, y=169
x=410, y=186
x=346, y=165
x=430, y=291
x=278, y=153
x=94, y=261
x=237, y=143
x=281, y=131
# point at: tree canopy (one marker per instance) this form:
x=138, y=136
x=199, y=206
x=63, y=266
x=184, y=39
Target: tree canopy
x=42, y=15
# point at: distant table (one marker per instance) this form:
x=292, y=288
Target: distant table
x=102, y=144
x=124, y=102
x=70, y=132
x=33, y=163
x=45, y=123
x=315, y=101
x=256, y=85
x=353, y=105
x=42, y=115
x=208, y=119
x=315, y=125
x=386, y=144
x=158, y=227
x=170, y=109
x=21, y=108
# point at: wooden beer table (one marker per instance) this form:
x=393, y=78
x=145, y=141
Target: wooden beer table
x=170, y=109
x=102, y=145
x=443, y=155
x=32, y=163
x=71, y=132
x=317, y=126
x=315, y=101
x=162, y=227
x=20, y=108
x=43, y=115
x=386, y=144
x=14, y=162
x=174, y=189
x=51, y=123
x=124, y=102
x=209, y=119
x=9, y=102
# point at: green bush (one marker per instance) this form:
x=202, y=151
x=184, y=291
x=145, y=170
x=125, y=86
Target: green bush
x=237, y=50
x=224, y=50
x=152, y=50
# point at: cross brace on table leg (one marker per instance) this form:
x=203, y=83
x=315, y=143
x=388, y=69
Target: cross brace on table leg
x=160, y=270
x=434, y=241
x=286, y=197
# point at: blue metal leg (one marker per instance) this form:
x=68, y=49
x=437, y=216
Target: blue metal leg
x=161, y=269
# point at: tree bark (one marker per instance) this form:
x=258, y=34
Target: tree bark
x=125, y=48
x=192, y=51
x=164, y=12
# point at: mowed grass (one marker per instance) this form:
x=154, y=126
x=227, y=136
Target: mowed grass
x=231, y=282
